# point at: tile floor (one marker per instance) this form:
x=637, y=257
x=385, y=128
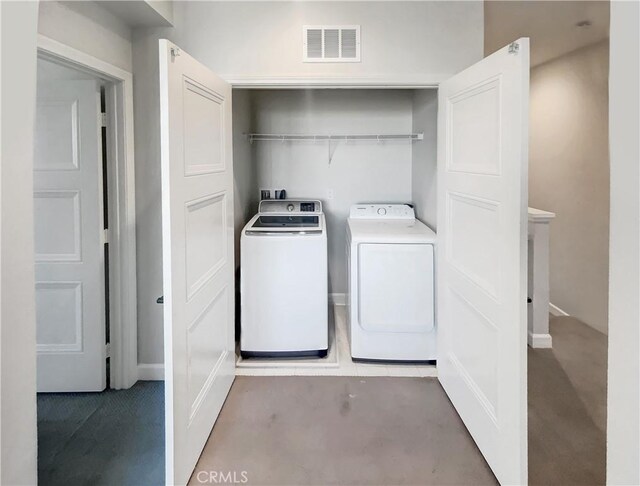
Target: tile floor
x=337, y=363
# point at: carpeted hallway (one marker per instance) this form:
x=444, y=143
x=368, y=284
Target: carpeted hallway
x=111, y=438
x=338, y=430
x=568, y=407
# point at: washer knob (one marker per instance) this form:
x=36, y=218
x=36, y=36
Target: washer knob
x=290, y=207
x=382, y=211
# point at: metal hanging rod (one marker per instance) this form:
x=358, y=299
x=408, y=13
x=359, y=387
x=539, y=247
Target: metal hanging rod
x=267, y=137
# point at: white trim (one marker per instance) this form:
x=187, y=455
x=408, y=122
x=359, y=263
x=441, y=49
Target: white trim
x=151, y=372
x=122, y=247
x=57, y=51
x=338, y=299
x=539, y=340
x=336, y=81
x=539, y=215
x=557, y=311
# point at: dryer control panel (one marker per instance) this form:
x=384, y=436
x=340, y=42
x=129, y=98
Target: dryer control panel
x=382, y=211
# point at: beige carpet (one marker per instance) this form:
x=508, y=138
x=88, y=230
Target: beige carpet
x=567, y=406
x=341, y=431
x=404, y=431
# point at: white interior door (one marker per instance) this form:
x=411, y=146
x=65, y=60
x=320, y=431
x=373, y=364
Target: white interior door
x=197, y=244
x=482, y=254
x=69, y=255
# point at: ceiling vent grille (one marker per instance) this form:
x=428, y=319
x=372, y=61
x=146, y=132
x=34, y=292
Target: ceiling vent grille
x=331, y=43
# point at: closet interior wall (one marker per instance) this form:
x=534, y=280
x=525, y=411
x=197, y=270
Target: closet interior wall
x=339, y=173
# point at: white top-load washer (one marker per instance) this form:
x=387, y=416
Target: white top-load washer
x=283, y=281
x=391, y=282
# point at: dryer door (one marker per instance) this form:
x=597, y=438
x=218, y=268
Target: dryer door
x=395, y=287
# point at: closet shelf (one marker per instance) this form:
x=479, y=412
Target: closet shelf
x=273, y=137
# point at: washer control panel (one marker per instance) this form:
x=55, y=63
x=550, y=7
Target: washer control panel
x=289, y=206
x=382, y=211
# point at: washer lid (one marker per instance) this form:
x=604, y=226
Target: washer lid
x=390, y=231
x=286, y=221
x=285, y=224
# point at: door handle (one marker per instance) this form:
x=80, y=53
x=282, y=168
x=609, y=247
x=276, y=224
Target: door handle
x=160, y=300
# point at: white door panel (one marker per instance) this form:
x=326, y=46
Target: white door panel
x=482, y=225
x=68, y=228
x=198, y=266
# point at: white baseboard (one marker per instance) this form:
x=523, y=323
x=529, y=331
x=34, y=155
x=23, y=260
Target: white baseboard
x=539, y=340
x=150, y=372
x=557, y=311
x=338, y=299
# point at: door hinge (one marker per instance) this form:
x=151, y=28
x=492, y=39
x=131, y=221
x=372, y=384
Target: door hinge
x=107, y=349
x=175, y=52
x=105, y=236
x=103, y=119
x=514, y=48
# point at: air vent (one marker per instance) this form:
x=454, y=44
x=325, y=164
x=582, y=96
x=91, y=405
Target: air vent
x=331, y=43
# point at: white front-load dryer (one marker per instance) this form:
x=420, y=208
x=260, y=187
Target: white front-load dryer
x=284, y=281
x=391, y=284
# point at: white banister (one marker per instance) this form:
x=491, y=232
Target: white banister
x=538, y=308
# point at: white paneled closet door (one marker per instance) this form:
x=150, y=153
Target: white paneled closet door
x=69, y=228
x=482, y=253
x=198, y=258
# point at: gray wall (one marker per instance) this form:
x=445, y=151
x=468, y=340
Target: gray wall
x=359, y=172
x=18, y=434
x=424, y=157
x=146, y=95
x=569, y=175
x=88, y=27
x=623, y=393
x=245, y=184
x=264, y=39
x=421, y=40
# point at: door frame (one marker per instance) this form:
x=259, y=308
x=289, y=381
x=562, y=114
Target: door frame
x=330, y=82
x=402, y=83
x=121, y=205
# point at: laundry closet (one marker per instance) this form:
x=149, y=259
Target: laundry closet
x=340, y=148
x=395, y=163
x=456, y=151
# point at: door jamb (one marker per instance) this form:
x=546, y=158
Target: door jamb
x=121, y=196
x=371, y=82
